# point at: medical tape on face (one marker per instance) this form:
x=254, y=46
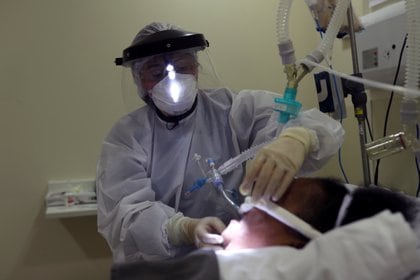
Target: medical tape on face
x=282, y=215
x=345, y=204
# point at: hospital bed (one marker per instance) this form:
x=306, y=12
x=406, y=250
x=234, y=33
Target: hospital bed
x=380, y=247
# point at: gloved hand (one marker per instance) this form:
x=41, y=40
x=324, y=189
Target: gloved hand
x=204, y=232
x=275, y=165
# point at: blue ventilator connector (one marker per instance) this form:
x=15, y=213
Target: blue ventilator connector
x=287, y=106
x=215, y=178
x=197, y=185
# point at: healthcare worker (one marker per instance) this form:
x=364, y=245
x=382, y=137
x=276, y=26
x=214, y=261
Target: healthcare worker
x=149, y=158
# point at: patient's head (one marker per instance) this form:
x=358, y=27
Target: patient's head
x=317, y=201
x=367, y=202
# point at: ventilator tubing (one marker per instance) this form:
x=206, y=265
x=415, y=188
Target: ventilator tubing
x=287, y=105
x=409, y=113
x=334, y=25
x=285, y=45
x=412, y=76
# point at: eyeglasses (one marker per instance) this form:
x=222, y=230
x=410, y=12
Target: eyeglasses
x=157, y=68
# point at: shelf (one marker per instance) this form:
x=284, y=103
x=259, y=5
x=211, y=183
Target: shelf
x=71, y=211
x=70, y=198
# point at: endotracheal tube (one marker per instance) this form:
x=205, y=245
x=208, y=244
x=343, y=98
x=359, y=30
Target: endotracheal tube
x=214, y=177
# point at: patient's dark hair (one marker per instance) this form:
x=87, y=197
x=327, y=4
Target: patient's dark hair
x=369, y=201
x=325, y=195
x=321, y=200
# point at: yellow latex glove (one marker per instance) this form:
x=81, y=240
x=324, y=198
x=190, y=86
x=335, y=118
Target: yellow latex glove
x=277, y=163
x=204, y=232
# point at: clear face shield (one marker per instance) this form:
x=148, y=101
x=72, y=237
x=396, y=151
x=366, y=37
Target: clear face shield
x=170, y=80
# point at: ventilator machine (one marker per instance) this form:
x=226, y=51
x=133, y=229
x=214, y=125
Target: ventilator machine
x=340, y=85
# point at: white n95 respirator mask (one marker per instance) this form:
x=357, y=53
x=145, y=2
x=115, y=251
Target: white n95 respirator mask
x=175, y=94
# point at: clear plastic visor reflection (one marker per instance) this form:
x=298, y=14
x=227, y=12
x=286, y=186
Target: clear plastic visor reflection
x=207, y=79
x=175, y=89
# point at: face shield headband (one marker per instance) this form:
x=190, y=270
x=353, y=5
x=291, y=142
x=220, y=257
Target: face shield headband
x=282, y=215
x=162, y=42
x=133, y=91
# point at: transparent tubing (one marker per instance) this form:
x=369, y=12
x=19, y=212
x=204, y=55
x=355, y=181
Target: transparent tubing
x=339, y=15
x=285, y=45
x=408, y=111
x=283, y=21
x=375, y=84
x=326, y=44
x=287, y=105
x=409, y=117
x=233, y=163
x=409, y=114
x=412, y=76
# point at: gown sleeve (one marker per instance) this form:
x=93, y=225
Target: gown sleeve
x=129, y=217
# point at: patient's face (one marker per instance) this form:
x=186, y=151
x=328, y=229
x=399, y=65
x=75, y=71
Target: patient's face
x=257, y=229
x=242, y=234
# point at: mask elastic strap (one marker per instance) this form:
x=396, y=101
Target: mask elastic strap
x=282, y=215
x=345, y=204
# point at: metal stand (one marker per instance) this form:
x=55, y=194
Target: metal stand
x=359, y=101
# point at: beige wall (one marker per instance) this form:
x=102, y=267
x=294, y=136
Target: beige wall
x=60, y=93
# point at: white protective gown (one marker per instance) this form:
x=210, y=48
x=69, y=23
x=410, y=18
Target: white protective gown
x=145, y=168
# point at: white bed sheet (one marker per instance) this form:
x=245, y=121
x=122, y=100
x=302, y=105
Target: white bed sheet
x=382, y=247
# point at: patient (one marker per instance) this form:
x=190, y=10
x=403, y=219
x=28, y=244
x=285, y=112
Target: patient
x=382, y=247
x=316, y=201
x=370, y=243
